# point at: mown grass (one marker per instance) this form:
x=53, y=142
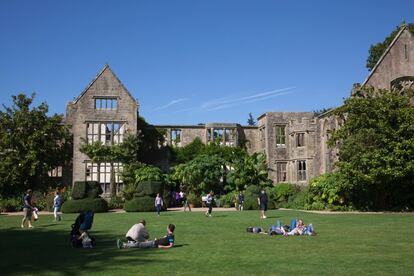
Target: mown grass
x=376, y=244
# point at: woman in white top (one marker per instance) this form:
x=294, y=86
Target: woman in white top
x=158, y=203
x=57, y=203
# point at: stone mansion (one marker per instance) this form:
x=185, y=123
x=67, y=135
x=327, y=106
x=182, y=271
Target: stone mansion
x=295, y=143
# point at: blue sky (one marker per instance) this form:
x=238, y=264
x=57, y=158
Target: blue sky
x=190, y=62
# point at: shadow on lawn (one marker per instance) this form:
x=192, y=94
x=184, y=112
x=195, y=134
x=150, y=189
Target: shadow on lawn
x=47, y=250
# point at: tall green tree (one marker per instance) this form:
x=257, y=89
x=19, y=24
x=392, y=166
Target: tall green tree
x=202, y=174
x=376, y=164
x=248, y=170
x=31, y=144
x=251, y=121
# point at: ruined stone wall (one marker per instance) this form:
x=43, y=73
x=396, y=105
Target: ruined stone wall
x=295, y=123
x=398, y=62
x=82, y=110
x=326, y=156
x=189, y=134
x=251, y=135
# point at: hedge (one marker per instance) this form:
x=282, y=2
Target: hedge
x=97, y=205
x=79, y=189
x=147, y=188
x=140, y=204
x=86, y=189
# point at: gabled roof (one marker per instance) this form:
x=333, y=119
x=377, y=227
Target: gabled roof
x=403, y=28
x=106, y=67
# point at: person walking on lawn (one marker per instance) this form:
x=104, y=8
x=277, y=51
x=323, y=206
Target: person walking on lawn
x=158, y=203
x=262, y=201
x=27, y=209
x=209, y=204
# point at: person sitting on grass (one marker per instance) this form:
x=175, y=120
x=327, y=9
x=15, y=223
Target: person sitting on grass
x=164, y=242
x=136, y=234
x=168, y=240
x=298, y=228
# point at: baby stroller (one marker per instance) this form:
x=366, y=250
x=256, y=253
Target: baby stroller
x=79, y=236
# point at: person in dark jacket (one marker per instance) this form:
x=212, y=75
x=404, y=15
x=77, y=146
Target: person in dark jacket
x=262, y=201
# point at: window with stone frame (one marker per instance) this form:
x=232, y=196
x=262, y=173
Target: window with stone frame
x=218, y=134
x=55, y=172
x=300, y=139
x=101, y=173
x=281, y=172
x=109, y=133
x=229, y=137
x=225, y=136
x=176, y=137
x=280, y=134
x=110, y=103
x=301, y=168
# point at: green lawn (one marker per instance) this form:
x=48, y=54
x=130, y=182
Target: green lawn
x=346, y=244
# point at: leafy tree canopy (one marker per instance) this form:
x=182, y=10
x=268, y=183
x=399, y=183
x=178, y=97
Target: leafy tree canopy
x=376, y=164
x=248, y=170
x=202, y=174
x=31, y=144
x=376, y=50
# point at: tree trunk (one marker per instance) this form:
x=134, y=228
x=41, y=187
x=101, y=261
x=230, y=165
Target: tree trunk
x=112, y=184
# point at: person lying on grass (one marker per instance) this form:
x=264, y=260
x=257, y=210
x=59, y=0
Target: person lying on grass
x=297, y=227
x=164, y=242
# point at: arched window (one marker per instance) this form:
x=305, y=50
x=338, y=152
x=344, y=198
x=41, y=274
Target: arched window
x=403, y=84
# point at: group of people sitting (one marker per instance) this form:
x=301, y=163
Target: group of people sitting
x=296, y=228
x=138, y=237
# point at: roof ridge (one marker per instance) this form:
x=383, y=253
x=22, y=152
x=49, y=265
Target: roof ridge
x=106, y=66
x=402, y=29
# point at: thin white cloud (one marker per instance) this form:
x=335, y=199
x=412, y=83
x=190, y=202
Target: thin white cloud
x=225, y=103
x=250, y=101
x=173, y=102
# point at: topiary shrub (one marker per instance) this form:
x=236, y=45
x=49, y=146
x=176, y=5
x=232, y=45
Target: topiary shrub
x=79, y=189
x=93, y=189
x=140, y=204
x=148, y=188
x=97, y=205
x=86, y=189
